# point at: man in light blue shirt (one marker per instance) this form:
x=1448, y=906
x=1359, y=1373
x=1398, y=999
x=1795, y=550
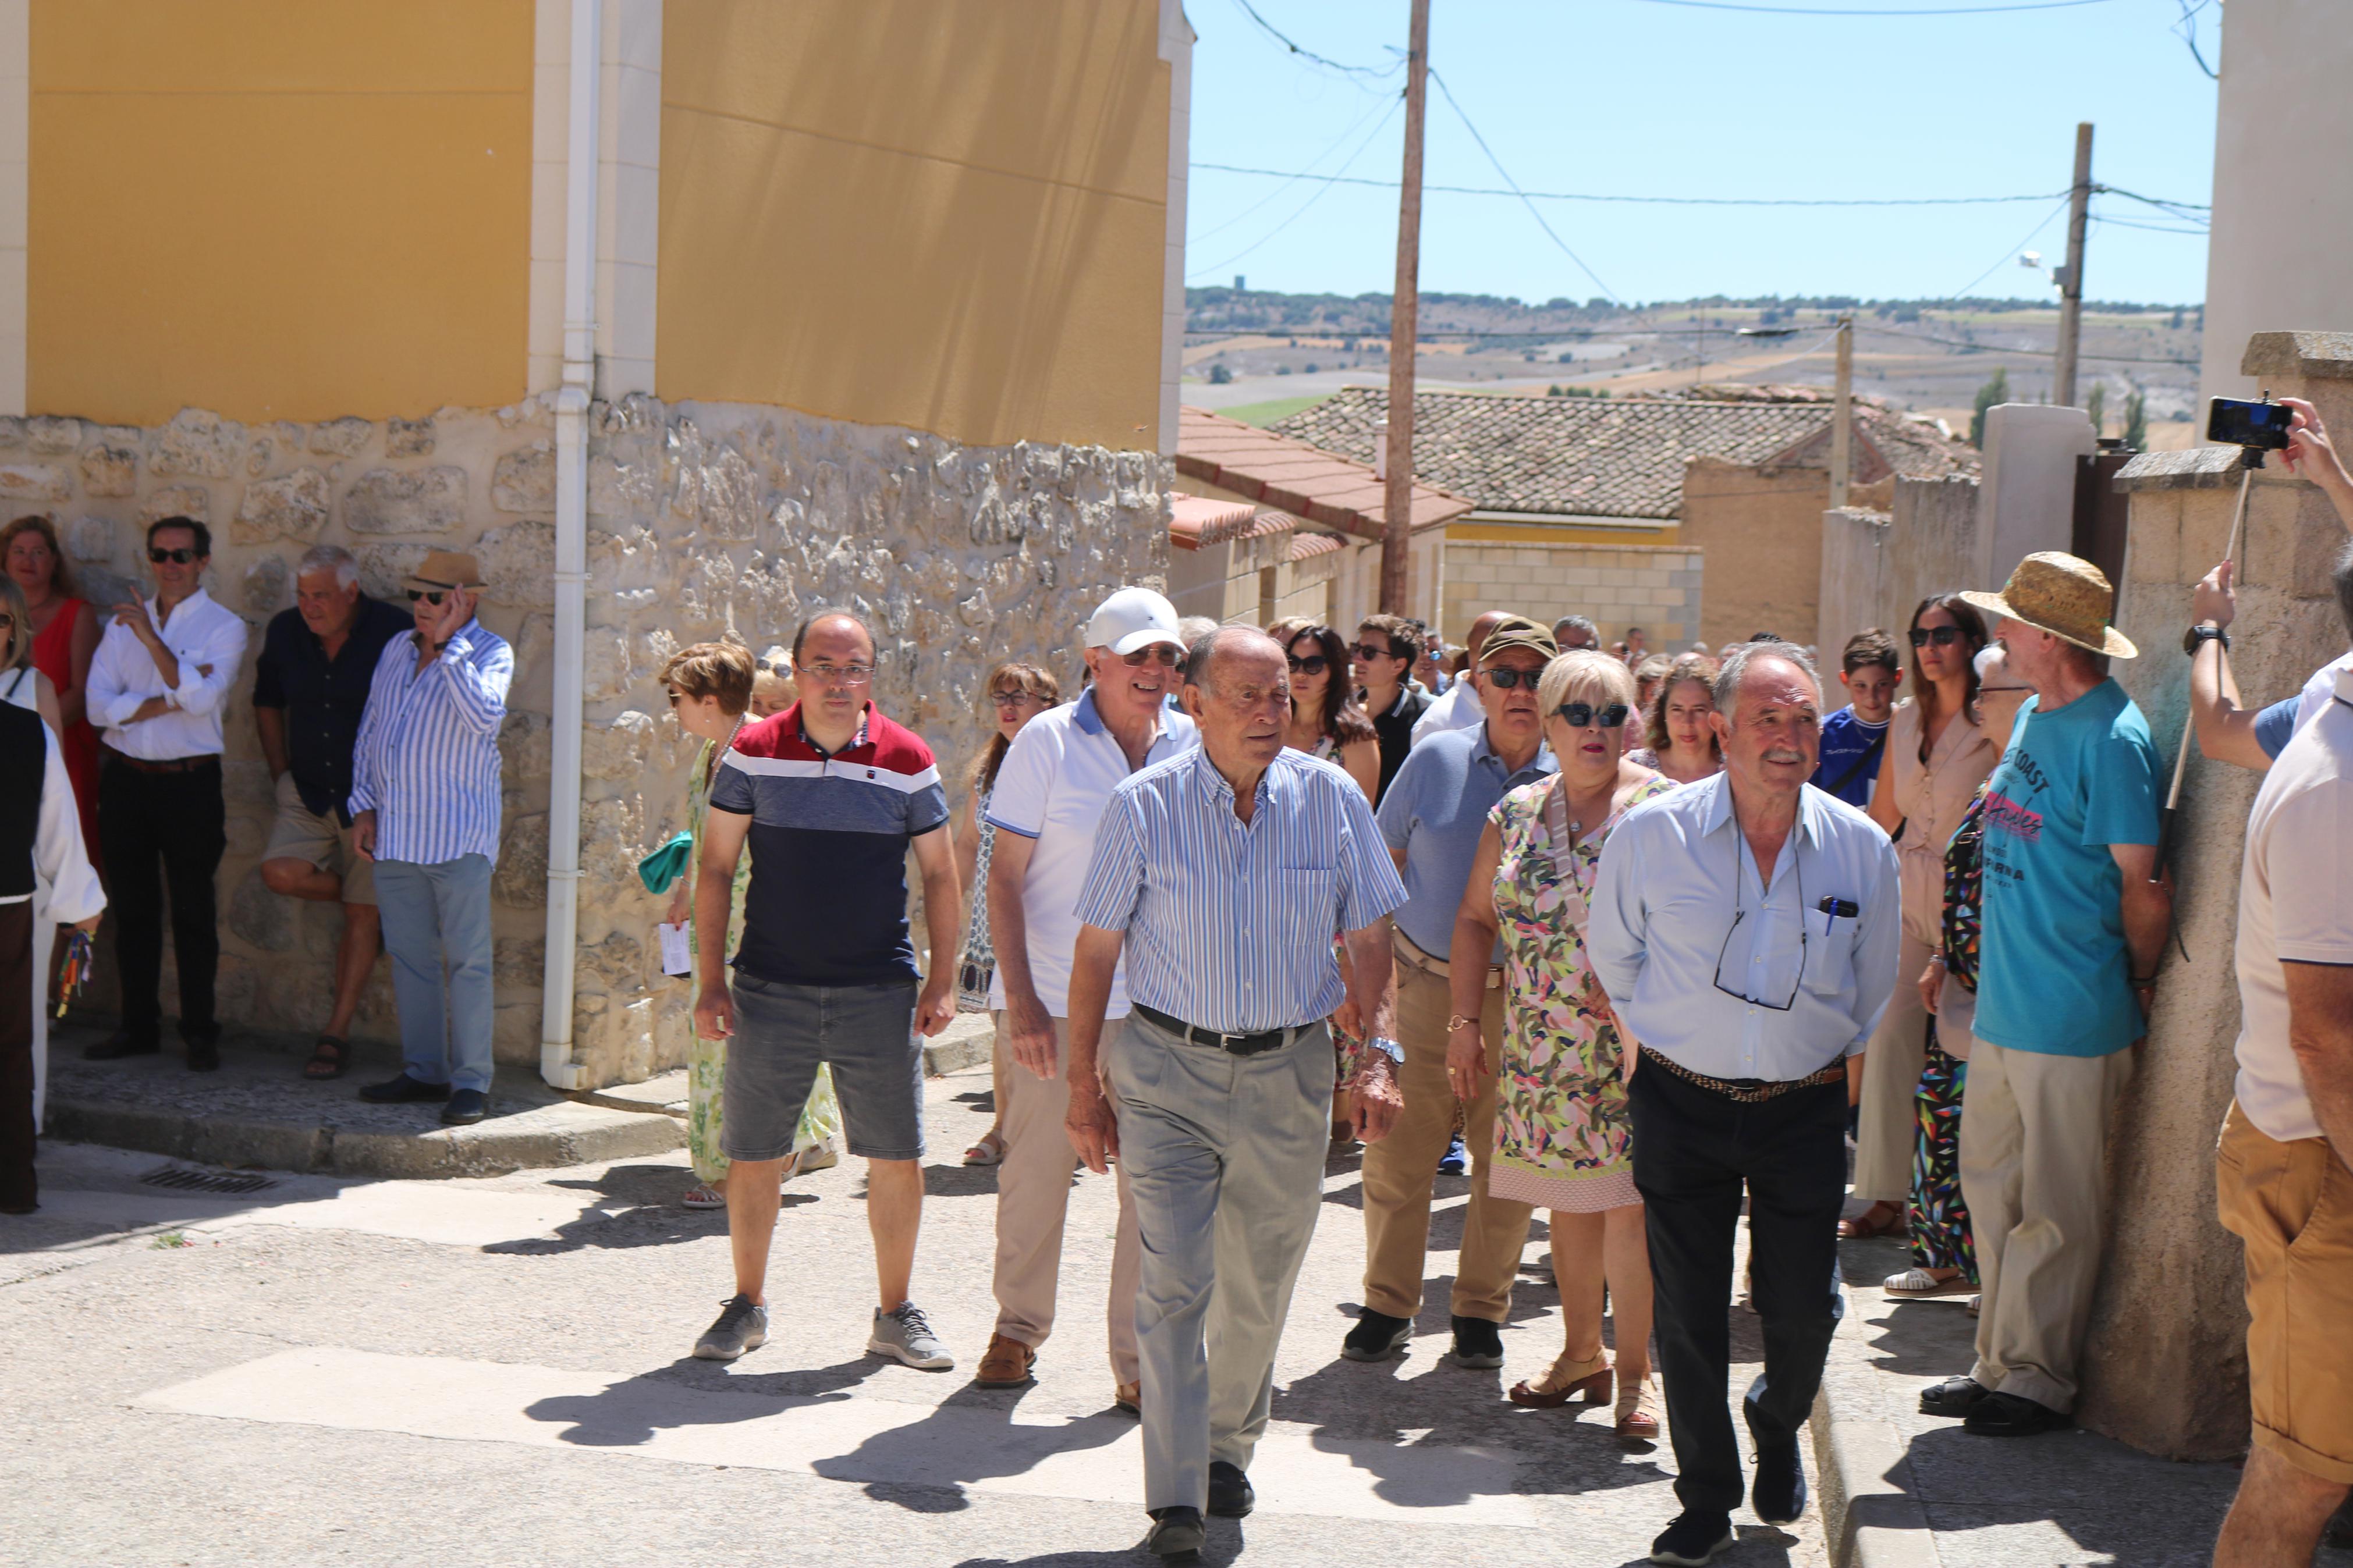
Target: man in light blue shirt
x=1746, y=992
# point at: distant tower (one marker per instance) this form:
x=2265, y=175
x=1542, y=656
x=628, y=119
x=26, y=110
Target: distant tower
x=1242, y=284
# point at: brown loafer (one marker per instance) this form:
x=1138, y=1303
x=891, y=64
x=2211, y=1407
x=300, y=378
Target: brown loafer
x=1004, y=1364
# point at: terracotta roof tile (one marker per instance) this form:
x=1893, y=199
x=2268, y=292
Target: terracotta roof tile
x=1334, y=490
x=1196, y=521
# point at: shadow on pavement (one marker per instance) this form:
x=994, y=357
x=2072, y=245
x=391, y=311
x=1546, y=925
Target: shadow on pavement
x=618, y=1417
x=942, y=1449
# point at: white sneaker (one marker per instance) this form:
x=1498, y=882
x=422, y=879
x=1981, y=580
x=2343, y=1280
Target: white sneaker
x=906, y=1335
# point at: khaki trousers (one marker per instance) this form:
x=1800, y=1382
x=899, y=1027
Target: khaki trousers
x=1400, y=1169
x=1891, y=1076
x=1033, y=1197
x=2035, y=1134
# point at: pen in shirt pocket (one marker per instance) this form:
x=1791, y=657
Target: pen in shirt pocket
x=1833, y=909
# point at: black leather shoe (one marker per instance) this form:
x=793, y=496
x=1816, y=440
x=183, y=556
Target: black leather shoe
x=1377, y=1336
x=466, y=1107
x=404, y=1091
x=1175, y=1532
x=1230, y=1493
x=1779, y=1494
x=1956, y=1396
x=1692, y=1540
x=120, y=1044
x=204, y=1053
x=1478, y=1343
x=2015, y=1416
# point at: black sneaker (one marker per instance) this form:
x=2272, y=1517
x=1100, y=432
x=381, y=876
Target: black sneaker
x=120, y=1044
x=1231, y=1494
x=1956, y=1396
x=1175, y=1532
x=2015, y=1416
x=1779, y=1494
x=466, y=1107
x=204, y=1051
x=1692, y=1540
x=1377, y=1336
x=1478, y=1343
x=405, y=1090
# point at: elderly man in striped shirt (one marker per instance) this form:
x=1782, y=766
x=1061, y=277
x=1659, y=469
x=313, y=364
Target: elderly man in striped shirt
x=1223, y=873
x=425, y=809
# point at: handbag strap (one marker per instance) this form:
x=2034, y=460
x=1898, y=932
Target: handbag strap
x=1854, y=770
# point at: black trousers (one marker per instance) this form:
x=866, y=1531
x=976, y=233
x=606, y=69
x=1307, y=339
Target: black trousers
x=164, y=829
x=17, y=1189
x=1693, y=1151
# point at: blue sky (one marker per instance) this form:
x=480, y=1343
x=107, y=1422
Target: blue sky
x=1642, y=98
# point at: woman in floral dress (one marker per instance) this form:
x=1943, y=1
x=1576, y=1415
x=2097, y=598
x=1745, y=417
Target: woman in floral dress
x=709, y=691
x=1563, y=1132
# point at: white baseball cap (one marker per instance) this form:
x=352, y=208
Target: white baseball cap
x=1133, y=618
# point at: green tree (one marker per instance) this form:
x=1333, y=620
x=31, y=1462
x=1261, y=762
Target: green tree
x=1219, y=375
x=1992, y=391
x=2136, y=422
x=2095, y=403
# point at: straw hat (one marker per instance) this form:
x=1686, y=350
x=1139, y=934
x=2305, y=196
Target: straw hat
x=2062, y=594
x=446, y=569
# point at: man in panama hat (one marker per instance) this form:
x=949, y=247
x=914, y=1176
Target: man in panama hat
x=2074, y=922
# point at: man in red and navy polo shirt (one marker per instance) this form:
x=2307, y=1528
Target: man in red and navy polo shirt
x=828, y=796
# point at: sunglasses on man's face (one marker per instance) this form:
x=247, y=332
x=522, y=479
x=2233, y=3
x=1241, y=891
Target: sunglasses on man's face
x=1505, y=678
x=1160, y=653
x=1577, y=715
x=176, y=557
x=430, y=595
x=1942, y=636
x=1364, y=651
x=1313, y=664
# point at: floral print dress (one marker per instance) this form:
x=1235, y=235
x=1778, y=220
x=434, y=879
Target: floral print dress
x=1563, y=1130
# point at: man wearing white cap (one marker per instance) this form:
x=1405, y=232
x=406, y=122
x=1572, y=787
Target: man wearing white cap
x=1050, y=793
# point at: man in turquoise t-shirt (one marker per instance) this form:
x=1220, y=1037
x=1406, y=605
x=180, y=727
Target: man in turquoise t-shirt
x=2073, y=928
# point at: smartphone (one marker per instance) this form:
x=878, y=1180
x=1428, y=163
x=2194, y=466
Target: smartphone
x=2248, y=422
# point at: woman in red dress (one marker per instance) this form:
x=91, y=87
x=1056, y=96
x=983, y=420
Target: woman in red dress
x=65, y=636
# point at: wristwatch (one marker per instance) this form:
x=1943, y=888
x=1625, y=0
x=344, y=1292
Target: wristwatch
x=1388, y=1047
x=2202, y=632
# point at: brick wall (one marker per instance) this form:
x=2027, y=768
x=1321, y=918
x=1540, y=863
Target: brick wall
x=1656, y=588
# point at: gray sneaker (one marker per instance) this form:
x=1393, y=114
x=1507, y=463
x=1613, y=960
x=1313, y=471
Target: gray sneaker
x=907, y=1335
x=740, y=1327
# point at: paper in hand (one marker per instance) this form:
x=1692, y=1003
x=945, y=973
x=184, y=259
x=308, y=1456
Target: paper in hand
x=675, y=959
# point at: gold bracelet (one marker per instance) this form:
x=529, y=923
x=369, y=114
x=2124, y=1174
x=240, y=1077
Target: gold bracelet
x=1458, y=1021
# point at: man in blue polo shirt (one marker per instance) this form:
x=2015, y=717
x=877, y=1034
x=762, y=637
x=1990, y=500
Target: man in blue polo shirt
x=828, y=795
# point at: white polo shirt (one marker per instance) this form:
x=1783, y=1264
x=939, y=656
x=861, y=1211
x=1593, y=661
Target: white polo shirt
x=1052, y=788
x=2291, y=908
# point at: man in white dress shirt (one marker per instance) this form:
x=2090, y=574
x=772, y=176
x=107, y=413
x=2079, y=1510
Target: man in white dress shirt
x=1746, y=988
x=156, y=686
x=1459, y=709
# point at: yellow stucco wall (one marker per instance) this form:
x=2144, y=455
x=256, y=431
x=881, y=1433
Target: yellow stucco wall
x=897, y=212
x=277, y=208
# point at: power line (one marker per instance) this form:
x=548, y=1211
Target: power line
x=1825, y=11
x=1663, y=201
x=1507, y=179
x=1367, y=72
x=1303, y=175
x=2199, y=232
x=1962, y=292
x=1323, y=190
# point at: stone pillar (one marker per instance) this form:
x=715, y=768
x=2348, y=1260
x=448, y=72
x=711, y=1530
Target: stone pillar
x=2166, y=1367
x=2027, y=501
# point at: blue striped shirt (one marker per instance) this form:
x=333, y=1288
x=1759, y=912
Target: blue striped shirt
x=426, y=761
x=1229, y=923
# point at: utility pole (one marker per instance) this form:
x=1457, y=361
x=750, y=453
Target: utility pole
x=1396, y=492
x=1842, y=415
x=2071, y=275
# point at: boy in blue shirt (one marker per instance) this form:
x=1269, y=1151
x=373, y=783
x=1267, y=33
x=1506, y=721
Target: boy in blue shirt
x=1854, y=738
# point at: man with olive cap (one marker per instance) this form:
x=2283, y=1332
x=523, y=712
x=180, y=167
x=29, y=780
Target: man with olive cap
x=425, y=810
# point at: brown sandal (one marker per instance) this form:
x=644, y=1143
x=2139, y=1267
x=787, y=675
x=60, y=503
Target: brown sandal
x=330, y=1055
x=1570, y=1381
x=1638, y=1411
x=1862, y=1225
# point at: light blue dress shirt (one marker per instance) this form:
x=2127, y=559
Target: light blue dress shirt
x=426, y=760
x=1230, y=924
x=1801, y=987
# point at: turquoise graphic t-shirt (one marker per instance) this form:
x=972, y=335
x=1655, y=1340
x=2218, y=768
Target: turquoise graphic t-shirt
x=2054, y=975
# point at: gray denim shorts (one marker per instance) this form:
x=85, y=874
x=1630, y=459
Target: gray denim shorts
x=783, y=1033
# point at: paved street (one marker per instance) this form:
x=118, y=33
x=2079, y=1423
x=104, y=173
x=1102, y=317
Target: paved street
x=496, y=1371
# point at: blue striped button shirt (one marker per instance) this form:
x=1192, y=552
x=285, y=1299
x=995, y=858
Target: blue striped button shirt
x=1230, y=924
x=426, y=761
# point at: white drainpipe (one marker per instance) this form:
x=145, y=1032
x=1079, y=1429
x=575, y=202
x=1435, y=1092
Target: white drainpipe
x=572, y=401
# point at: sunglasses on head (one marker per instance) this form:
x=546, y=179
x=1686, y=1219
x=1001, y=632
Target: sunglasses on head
x=430, y=595
x=1580, y=714
x=1506, y=677
x=1313, y=664
x=1160, y=653
x=1942, y=636
x=177, y=557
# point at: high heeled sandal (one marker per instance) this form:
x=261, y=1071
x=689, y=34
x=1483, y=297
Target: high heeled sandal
x=1638, y=1411
x=1570, y=1381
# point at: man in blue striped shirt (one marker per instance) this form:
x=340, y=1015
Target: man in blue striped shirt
x=1223, y=873
x=425, y=809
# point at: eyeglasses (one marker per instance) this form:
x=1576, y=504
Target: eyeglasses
x=1367, y=651
x=1506, y=677
x=1163, y=654
x=177, y=557
x=1797, y=867
x=674, y=695
x=1313, y=664
x=1942, y=636
x=840, y=674
x=1015, y=698
x=430, y=595
x=1580, y=714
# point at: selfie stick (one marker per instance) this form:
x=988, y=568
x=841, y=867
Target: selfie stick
x=2189, y=720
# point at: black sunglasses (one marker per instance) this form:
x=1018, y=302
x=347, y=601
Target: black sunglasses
x=1313, y=664
x=1366, y=650
x=177, y=557
x=430, y=595
x=1580, y=714
x=1506, y=677
x=1942, y=636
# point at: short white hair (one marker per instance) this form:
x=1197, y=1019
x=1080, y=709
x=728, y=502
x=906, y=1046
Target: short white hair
x=329, y=558
x=1736, y=660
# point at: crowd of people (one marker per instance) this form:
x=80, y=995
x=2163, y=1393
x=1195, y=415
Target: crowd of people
x=1641, y=940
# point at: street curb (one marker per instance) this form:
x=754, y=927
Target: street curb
x=964, y=1043
x=1870, y=1517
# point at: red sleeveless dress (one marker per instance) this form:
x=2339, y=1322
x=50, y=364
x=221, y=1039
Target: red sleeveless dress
x=53, y=657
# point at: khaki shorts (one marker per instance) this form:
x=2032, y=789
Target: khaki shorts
x=2292, y=1203
x=301, y=833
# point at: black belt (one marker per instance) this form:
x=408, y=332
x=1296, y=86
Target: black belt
x=169, y=765
x=1251, y=1044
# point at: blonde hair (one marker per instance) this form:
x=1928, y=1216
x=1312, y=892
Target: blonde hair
x=721, y=669
x=1583, y=670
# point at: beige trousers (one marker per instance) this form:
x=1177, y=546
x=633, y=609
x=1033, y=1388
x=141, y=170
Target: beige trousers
x=1033, y=1197
x=2035, y=1134
x=1400, y=1169
x=1891, y=1076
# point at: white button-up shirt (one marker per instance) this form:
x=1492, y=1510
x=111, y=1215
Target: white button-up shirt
x=1459, y=709
x=203, y=635
x=1779, y=993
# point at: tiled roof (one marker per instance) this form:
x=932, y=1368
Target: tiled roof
x=1197, y=520
x=1306, y=546
x=1336, y=491
x=1612, y=456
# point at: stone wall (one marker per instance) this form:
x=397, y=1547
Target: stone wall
x=705, y=520
x=1655, y=587
x=1763, y=534
x=1877, y=565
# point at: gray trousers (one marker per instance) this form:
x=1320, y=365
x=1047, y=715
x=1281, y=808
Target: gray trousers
x=1225, y=1157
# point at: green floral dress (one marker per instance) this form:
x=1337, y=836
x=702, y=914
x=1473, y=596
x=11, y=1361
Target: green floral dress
x=1563, y=1133
x=706, y=1061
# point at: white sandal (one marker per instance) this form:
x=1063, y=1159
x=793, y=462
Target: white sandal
x=1918, y=1284
x=705, y=1196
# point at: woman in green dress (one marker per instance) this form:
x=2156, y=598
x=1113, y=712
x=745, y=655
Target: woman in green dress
x=710, y=688
x=1563, y=1132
